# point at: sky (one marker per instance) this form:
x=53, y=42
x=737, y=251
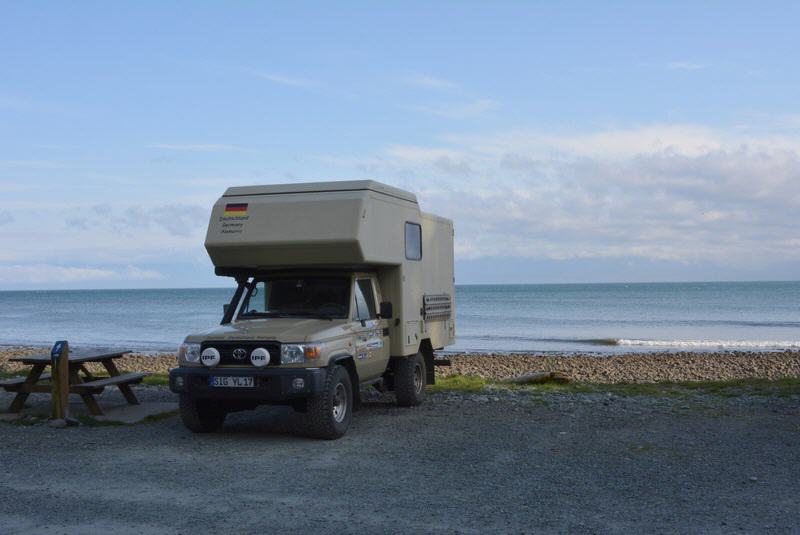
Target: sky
x=568, y=141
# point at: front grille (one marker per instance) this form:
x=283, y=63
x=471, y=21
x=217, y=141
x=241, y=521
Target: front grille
x=226, y=352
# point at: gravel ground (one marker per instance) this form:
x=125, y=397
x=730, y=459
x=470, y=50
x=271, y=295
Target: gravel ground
x=505, y=461
x=634, y=368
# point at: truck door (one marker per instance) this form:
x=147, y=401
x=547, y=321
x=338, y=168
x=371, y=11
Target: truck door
x=372, y=348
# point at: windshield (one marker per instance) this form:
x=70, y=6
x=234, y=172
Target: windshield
x=313, y=297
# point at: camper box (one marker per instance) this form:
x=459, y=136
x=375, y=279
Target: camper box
x=355, y=226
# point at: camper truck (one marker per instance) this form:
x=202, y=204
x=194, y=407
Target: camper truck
x=338, y=285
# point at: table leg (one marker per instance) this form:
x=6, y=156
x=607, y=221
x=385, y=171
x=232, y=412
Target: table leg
x=86, y=373
x=30, y=381
x=88, y=399
x=91, y=404
x=126, y=390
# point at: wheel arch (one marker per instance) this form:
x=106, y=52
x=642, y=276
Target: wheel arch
x=426, y=348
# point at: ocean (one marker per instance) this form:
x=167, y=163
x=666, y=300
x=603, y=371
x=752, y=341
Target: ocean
x=599, y=318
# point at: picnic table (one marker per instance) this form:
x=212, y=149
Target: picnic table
x=81, y=380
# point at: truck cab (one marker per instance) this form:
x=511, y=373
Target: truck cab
x=310, y=321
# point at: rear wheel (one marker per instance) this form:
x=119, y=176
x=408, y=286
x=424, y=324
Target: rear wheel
x=201, y=416
x=329, y=411
x=409, y=380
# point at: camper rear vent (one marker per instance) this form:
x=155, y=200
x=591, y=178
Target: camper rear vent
x=437, y=307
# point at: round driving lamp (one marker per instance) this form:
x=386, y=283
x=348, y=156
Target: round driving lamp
x=209, y=357
x=259, y=357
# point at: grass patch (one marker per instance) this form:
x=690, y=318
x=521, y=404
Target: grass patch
x=88, y=421
x=458, y=383
x=741, y=387
x=156, y=379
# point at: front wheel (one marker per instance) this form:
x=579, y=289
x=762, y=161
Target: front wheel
x=329, y=411
x=409, y=380
x=201, y=416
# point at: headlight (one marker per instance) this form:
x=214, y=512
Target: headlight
x=296, y=353
x=292, y=354
x=189, y=353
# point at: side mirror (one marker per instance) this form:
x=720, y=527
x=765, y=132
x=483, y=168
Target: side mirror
x=386, y=310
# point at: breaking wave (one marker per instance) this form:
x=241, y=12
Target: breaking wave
x=721, y=344
x=531, y=342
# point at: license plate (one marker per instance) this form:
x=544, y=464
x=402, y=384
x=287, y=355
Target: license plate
x=231, y=382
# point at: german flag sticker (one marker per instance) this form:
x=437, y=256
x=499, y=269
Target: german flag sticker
x=237, y=209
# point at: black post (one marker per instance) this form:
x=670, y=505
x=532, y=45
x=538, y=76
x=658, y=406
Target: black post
x=59, y=379
x=227, y=317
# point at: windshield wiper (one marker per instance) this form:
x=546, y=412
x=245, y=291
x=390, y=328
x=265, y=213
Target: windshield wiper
x=263, y=315
x=312, y=315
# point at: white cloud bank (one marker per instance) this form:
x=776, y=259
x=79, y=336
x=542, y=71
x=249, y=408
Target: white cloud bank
x=681, y=193
x=50, y=274
x=110, y=244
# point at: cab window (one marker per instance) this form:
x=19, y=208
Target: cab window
x=365, y=300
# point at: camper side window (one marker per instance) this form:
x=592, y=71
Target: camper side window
x=413, y=241
x=365, y=300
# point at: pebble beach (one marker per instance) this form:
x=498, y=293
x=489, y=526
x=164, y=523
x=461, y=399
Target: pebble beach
x=580, y=368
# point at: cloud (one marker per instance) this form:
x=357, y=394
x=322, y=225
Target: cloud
x=139, y=274
x=466, y=110
x=6, y=217
x=49, y=274
x=682, y=193
x=199, y=147
x=430, y=82
x=175, y=219
x=283, y=79
x=449, y=161
x=684, y=66
x=106, y=234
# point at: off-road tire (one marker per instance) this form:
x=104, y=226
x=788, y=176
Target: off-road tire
x=326, y=416
x=409, y=380
x=201, y=416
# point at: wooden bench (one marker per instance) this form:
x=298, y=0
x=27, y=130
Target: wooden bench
x=86, y=387
x=98, y=385
x=14, y=384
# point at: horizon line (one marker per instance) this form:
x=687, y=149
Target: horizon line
x=457, y=284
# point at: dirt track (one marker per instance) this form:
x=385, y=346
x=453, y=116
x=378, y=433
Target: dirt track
x=500, y=462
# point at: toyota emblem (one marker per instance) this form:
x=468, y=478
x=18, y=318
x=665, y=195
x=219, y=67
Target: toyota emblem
x=239, y=354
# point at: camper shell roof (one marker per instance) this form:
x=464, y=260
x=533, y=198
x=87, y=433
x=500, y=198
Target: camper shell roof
x=351, y=224
x=321, y=187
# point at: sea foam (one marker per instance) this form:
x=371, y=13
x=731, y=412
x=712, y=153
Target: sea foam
x=721, y=344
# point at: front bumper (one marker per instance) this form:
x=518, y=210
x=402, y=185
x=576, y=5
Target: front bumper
x=270, y=385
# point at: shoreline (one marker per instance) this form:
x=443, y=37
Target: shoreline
x=620, y=350
x=644, y=367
